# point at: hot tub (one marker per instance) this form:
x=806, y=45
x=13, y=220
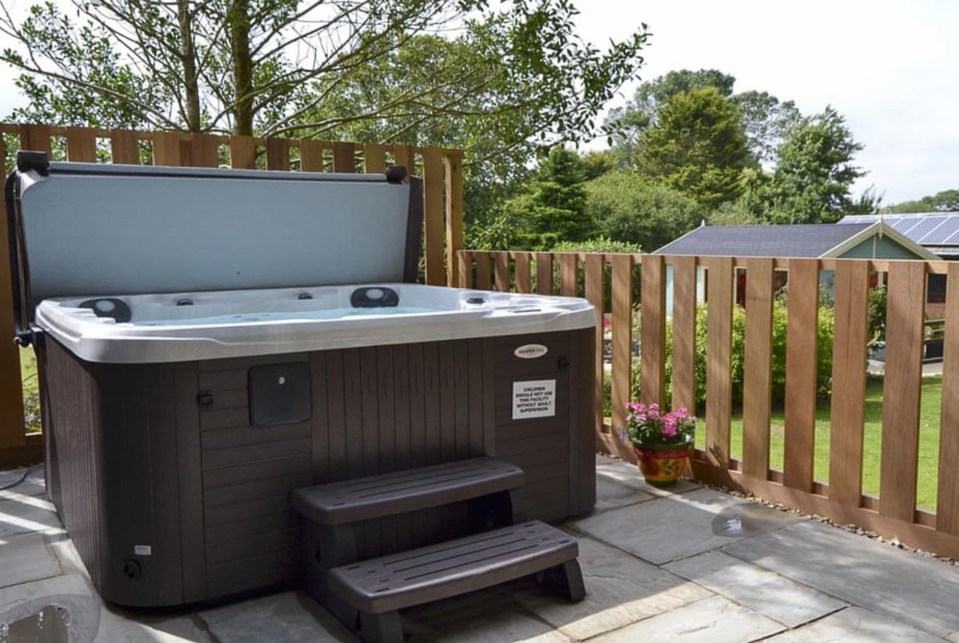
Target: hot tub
x=193, y=377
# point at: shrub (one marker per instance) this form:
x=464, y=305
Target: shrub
x=877, y=313
x=630, y=207
x=596, y=245
x=778, y=358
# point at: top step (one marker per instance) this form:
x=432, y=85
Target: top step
x=388, y=494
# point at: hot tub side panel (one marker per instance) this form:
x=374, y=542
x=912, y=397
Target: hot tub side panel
x=249, y=533
x=380, y=409
x=556, y=451
x=124, y=474
x=162, y=465
x=389, y=408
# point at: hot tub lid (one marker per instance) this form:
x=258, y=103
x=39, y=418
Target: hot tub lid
x=83, y=229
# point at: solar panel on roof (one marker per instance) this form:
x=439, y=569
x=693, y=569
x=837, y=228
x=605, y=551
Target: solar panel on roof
x=859, y=218
x=902, y=224
x=953, y=240
x=924, y=226
x=948, y=228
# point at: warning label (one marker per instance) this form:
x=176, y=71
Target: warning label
x=534, y=399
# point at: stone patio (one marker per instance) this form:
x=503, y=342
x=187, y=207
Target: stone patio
x=691, y=564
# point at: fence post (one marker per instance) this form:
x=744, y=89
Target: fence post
x=849, y=382
x=947, y=507
x=454, y=213
x=653, y=330
x=684, y=332
x=902, y=389
x=124, y=149
x=433, y=183
x=595, y=293
x=757, y=367
x=719, y=295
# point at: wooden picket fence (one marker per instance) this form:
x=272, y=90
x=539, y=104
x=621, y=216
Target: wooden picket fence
x=894, y=512
x=441, y=170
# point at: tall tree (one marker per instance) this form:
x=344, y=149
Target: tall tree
x=697, y=146
x=553, y=209
x=628, y=122
x=630, y=208
x=273, y=67
x=765, y=121
x=815, y=173
x=764, y=117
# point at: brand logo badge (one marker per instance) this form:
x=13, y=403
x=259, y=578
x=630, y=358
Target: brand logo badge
x=530, y=351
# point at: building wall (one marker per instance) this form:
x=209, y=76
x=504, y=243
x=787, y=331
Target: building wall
x=876, y=248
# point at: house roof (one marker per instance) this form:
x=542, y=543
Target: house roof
x=937, y=231
x=818, y=240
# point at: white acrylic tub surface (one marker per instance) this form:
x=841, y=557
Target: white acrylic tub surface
x=263, y=322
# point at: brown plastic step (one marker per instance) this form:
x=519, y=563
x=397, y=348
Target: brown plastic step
x=458, y=566
x=340, y=503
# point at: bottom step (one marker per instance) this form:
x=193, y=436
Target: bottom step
x=458, y=566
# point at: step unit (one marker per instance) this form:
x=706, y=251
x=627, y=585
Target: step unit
x=379, y=588
x=368, y=595
x=328, y=512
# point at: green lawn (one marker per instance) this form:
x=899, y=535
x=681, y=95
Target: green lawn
x=872, y=449
x=28, y=370
x=31, y=397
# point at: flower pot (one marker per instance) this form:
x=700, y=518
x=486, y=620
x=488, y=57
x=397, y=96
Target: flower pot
x=662, y=464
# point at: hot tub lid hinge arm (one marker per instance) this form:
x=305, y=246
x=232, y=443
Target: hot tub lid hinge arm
x=26, y=338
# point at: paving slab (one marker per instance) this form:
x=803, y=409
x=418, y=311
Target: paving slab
x=627, y=473
x=118, y=626
x=69, y=596
x=487, y=616
x=290, y=616
x=715, y=619
x=26, y=558
x=33, y=485
x=921, y=592
x=25, y=514
x=853, y=625
x=66, y=552
x=669, y=528
x=620, y=589
x=761, y=590
x=611, y=494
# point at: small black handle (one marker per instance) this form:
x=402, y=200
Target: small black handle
x=563, y=363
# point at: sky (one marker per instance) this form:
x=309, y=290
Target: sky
x=888, y=66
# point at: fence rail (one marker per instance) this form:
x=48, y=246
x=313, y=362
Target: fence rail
x=609, y=281
x=441, y=170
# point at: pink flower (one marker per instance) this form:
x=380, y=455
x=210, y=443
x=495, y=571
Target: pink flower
x=669, y=426
x=653, y=412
